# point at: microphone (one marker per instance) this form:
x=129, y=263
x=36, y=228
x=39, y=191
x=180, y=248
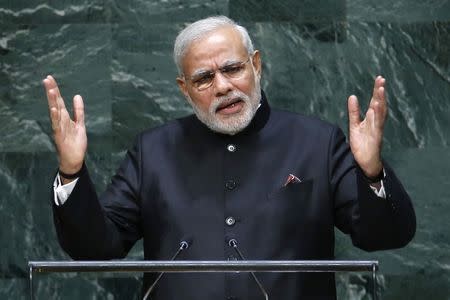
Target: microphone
x=183, y=245
x=233, y=243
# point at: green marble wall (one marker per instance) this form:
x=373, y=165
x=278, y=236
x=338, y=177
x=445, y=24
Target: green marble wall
x=117, y=54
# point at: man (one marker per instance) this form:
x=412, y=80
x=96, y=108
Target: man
x=275, y=182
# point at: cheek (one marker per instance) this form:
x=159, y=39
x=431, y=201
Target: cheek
x=202, y=101
x=247, y=85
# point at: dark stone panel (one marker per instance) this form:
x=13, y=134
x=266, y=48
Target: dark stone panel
x=154, y=12
x=398, y=11
x=309, y=76
x=145, y=93
x=65, y=286
x=25, y=207
x=311, y=11
x=25, y=213
x=28, y=233
x=423, y=284
x=305, y=11
x=78, y=56
x=54, y=11
x=425, y=261
x=323, y=20
x=14, y=288
x=433, y=48
x=358, y=285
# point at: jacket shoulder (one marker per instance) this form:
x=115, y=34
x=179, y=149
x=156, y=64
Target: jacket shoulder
x=299, y=121
x=167, y=130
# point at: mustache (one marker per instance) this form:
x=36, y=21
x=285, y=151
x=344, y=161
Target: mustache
x=222, y=101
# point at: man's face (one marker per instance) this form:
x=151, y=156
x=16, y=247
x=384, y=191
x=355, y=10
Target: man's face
x=230, y=102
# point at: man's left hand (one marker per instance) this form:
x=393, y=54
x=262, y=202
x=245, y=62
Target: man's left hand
x=366, y=136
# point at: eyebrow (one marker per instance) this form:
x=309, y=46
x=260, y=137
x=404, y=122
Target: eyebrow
x=202, y=72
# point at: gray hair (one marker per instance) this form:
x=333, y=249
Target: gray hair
x=199, y=30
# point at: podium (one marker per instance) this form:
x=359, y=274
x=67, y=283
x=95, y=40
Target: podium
x=197, y=266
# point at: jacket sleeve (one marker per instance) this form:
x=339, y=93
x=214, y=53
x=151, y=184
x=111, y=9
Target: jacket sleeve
x=374, y=223
x=89, y=227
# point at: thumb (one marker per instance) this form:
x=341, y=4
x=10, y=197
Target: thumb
x=354, y=117
x=78, y=110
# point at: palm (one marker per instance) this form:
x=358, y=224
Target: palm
x=71, y=141
x=69, y=135
x=366, y=136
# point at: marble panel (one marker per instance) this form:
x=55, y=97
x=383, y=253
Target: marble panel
x=288, y=10
x=165, y=11
x=325, y=19
x=306, y=75
x=25, y=207
x=145, y=93
x=54, y=11
x=65, y=286
x=398, y=11
x=327, y=10
x=419, y=270
x=28, y=233
x=78, y=56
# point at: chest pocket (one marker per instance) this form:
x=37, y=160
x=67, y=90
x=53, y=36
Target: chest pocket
x=293, y=206
x=293, y=190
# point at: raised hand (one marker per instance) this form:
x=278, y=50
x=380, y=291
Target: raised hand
x=69, y=135
x=366, y=136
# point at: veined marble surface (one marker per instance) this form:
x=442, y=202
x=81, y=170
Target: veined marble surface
x=117, y=55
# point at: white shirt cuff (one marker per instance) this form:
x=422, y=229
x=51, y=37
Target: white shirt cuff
x=381, y=192
x=62, y=192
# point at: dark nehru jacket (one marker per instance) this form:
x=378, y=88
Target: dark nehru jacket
x=183, y=181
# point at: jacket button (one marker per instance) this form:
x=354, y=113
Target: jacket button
x=231, y=184
x=231, y=148
x=230, y=221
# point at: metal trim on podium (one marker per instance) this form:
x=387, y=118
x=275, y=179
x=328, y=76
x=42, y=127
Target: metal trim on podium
x=197, y=266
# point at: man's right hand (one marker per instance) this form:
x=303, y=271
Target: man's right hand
x=69, y=135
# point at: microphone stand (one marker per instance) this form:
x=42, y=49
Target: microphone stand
x=183, y=245
x=233, y=243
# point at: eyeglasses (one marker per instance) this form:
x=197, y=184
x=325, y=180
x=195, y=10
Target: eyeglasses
x=205, y=79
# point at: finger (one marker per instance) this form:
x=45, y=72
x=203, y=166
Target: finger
x=54, y=117
x=78, y=109
x=53, y=103
x=354, y=117
x=370, y=118
x=380, y=112
x=379, y=82
x=52, y=85
x=51, y=99
x=382, y=99
x=63, y=114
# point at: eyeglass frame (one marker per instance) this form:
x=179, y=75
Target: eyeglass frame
x=213, y=73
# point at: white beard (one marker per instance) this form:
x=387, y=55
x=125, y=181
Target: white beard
x=235, y=123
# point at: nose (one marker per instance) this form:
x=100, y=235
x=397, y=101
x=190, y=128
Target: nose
x=222, y=85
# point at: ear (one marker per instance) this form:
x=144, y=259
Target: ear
x=182, y=86
x=256, y=61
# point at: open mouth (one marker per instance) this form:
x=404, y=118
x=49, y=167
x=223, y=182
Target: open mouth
x=231, y=106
